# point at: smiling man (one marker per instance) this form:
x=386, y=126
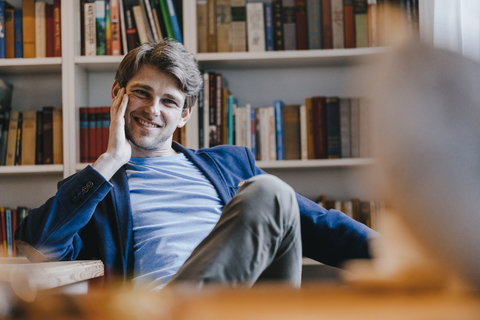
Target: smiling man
x=157, y=213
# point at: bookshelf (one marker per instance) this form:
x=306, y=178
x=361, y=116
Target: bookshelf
x=73, y=81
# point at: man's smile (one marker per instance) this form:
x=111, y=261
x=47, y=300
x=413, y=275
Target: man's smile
x=146, y=123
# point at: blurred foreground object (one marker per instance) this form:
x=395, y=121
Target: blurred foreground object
x=426, y=136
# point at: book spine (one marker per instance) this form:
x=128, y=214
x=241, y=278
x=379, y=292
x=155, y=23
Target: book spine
x=320, y=127
x=39, y=138
x=289, y=25
x=202, y=35
x=123, y=27
x=4, y=135
x=255, y=27
x=253, y=132
x=90, y=33
x=268, y=18
x=278, y=39
x=108, y=27
x=212, y=114
x=327, y=37
x=211, y=26
x=218, y=108
x=18, y=25
x=49, y=30
x=230, y=124
x=223, y=25
x=174, y=21
x=239, y=26
x=291, y=120
x=14, y=227
x=57, y=26
x=303, y=133
x=40, y=32
x=156, y=21
x=301, y=24
x=146, y=21
x=355, y=127
x=98, y=131
x=28, y=12
x=338, y=24
x=47, y=135
x=349, y=23
x=372, y=23
x=57, y=138
x=11, y=139
x=115, y=28
x=314, y=24
x=8, y=227
x=100, y=27
x=4, y=231
x=345, y=127
x=92, y=134
x=149, y=16
x=29, y=137
x=84, y=147
x=333, y=127
x=272, y=141
x=18, y=142
x=361, y=23
x=310, y=128
x=140, y=23
x=278, y=107
x=9, y=34
x=105, y=112
x=130, y=28
x=2, y=30
x=167, y=20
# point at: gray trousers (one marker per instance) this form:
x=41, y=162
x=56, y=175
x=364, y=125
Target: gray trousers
x=257, y=238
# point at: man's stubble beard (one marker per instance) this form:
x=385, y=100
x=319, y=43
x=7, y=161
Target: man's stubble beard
x=138, y=144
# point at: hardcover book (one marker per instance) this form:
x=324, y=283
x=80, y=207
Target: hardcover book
x=29, y=134
x=238, y=27
x=57, y=26
x=9, y=33
x=333, y=127
x=327, y=36
x=40, y=30
x=278, y=38
x=301, y=24
x=224, y=18
x=202, y=38
x=319, y=127
x=291, y=130
x=338, y=25
x=279, y=129
x=101, y=39
x=47, y=135
x=289, y=25
x=349, y=23
x=28, y=19
x=57, y=136
x=361, y=23
x=18, y=25
x=314, y=24
x=255, y=25
x=345, y=128
x=12, y=138
x=90, y=33
x=268, y=21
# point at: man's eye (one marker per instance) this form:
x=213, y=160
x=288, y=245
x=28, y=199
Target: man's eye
x=141, y=93
x=169, y=101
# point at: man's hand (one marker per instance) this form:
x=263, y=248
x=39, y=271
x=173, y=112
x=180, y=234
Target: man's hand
x=119, y=149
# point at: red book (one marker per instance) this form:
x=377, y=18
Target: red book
x=301, y=24
x=50, y=46
x=57, y=28
x=349, y=23
x=92, y=134
x=105, y=112
x=327, y=36
x=319, y=112
x=98, y=132
x=84, y=156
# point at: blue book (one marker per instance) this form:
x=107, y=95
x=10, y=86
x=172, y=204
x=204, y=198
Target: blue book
x=8, y=230
x=278, y=105
x=17, y=24
x=2, y=29
x=232, y=103
x=333, y=127
x=174, y=20
x=314, y=24
x=100, y=27
x=253, y=132
x=267, y=9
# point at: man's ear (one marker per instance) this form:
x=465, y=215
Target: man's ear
x=186, y=114
x=115, y=88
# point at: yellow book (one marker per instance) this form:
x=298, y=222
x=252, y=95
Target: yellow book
x=29, y=133
x=29, y=32
x=57, y=136
x=9, y=34
x=12, y=138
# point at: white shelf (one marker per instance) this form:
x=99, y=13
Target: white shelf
x=98, y=63
x=34, y=169
x=293, y=59
x=34, y=65
x=323, y=163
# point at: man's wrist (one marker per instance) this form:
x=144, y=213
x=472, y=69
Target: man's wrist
x=107, y=165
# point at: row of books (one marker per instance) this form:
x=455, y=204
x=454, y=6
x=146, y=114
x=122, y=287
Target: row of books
x=268, y=25
x=94, y=132
x=10, y=218
x=31, y=137
x=114, y=27
x=320, y=127
x=370, y=213
x=34, y=31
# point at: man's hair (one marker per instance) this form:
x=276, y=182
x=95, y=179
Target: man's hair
x=167, y=56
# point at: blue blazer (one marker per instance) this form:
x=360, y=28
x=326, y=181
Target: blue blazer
x=90, y=218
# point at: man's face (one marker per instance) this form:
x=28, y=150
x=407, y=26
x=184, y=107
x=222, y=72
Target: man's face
x=154, y=111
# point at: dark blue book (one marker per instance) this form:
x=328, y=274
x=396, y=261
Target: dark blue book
x=2, y=30
x=253, y=131
x=278, y=106
x=201, y=110
x=268, y=16
x=17, y=24
x=333, y=127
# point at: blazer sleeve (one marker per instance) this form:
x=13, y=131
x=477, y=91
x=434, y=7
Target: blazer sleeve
x=328, y=236
x=50, y=232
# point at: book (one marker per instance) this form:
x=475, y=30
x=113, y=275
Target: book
x=101, y=40
x=314, y=24
x=372, y=23
x=39, y=138
x=212, y=114
x=4, y=127
x=130, y=26
x=238, y=26
x=123, y=27
x=278, y=38
x=289, y=25
x=57, y=27
x=224, y=114
x=202, y=26
x=49, y=31
x=272, y=141
x=4, y=231
x=174, y=21
x=253, y=131
x=255, y=27
x=355, y=127
x=29, y=134
x=18, y=26
x=151, y=19
x=279, y=132
x=9, y=33
x=338, y=25
x=40, y=30
x=108, y=28
x=303, y=133
x=206, y=110
x=6, y=91
x=219, y=107
x=98, y=131
x=364, y=151
x=231, y=107
x=268, y=22
x=349, y=24
x=105, y=118
x=12, y=138
x=327, y=36
x=361, y=23
x=156, y=18
x=28, y=27
x=146, y=20
x=240, y=120
x=310, y=128
x=201, y=115
x=57, y=133
x=301, y=24
x=2, y=29
x=319, y=127
x=92, y=134
x=47, y=135
x=345, y=127
x=291, y=130
x=90, y=32
x=141, y=24
x=167, y=19
x=211, y=26
x=333, y=127
x=224, y=18
x=18, y=140
x=115, y=28
x=84, y=146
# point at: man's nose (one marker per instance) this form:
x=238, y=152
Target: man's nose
x=154, y=108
